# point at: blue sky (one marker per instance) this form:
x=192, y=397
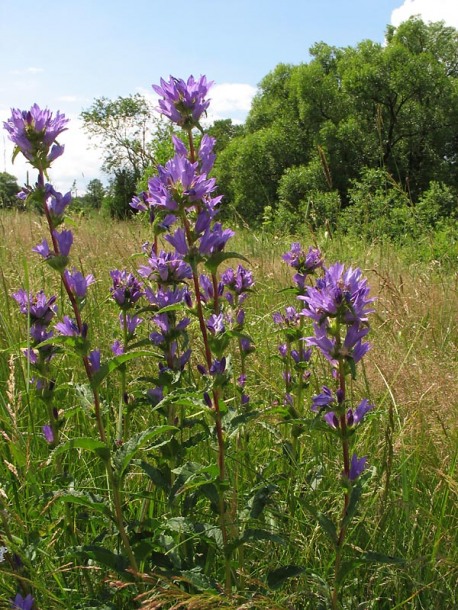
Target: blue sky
x=64, y=53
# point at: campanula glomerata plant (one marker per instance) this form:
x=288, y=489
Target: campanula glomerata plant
x=161, y=456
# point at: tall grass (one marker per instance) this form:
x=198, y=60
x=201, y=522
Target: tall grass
x=404, y=542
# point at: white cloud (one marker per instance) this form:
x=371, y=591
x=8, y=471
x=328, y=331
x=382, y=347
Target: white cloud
x=30, y=70
x=33, y=70
x=428, y=10
x=67, y=98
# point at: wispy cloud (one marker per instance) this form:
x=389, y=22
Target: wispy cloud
x=68, y=98
x=29, y=70
x=230, y=101
x=439, y=10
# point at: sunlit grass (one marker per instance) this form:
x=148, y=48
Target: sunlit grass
x=409, y=510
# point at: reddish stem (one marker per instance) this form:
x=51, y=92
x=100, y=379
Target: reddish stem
x=76, y=313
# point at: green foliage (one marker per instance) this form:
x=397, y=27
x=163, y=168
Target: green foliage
x=249, y=168
x=9, y=188
x=281, y=511
x=391, y=106
x=437, y=204
x=305, y=198
x=122, y=188
x=224, y=130
x=95, y=193
x=378, y=208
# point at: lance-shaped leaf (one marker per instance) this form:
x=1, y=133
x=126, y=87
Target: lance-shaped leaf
x=276, y=578
x=214, y=261
x=127, y=452
x=113, y=364
x=89, y=444
x=85, y=499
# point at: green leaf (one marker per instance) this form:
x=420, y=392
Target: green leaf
x=328, y=527
x=77, y=345
x=257, y=534
x=113, y=364
x=16, y=151
x=191, y=476
x=107, y=558
x=84, y=499
x=156, y=476
x=250, y=535
x=127, y=452
x=346, y=568
x=240, y=420
x=215, y=260
x=199, y=580
x=355, y=496
x=276, y=578
x=373, y=556
x=261, y=499
x=90, y=444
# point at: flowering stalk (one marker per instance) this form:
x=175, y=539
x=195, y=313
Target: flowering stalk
x=125, y=291
x=339, y=305
x=182, y=192
x=292, y=351
x=34, y=133
x=40, y=311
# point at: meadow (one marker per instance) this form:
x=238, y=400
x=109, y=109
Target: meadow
x=282, y=485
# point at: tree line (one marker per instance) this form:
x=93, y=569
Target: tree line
x=361, y=138
x=364, y=136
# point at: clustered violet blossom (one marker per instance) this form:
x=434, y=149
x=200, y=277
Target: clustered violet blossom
x=305, y=263
x=40, y=310
x=34, y=132
x=292, y=349
x=22, y=603
x=338, y=306
x=182, y=203
x=182, y=102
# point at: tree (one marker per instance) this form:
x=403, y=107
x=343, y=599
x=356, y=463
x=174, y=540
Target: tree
x=391, y=107
x=122, y=188
x=224, y=131
x=9, y=189
x=128, y=131
x=95, y=193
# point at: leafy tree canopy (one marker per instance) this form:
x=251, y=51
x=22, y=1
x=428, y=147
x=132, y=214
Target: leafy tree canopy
x=9, y=188
x=391, y=107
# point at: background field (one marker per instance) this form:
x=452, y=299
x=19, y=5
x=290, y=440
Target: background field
x=408, y=517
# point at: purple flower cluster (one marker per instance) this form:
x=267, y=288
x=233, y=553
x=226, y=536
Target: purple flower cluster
x=183, y=102
x=56, y=203
x=22, y=603
x=327, y=399
x=238, y=283
x=166, y=268
x=339, y=304
x=126, y=289
x=63, y=242
x=34, y=132
x=40, y=311
x=304, y=262
x=78, y=283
